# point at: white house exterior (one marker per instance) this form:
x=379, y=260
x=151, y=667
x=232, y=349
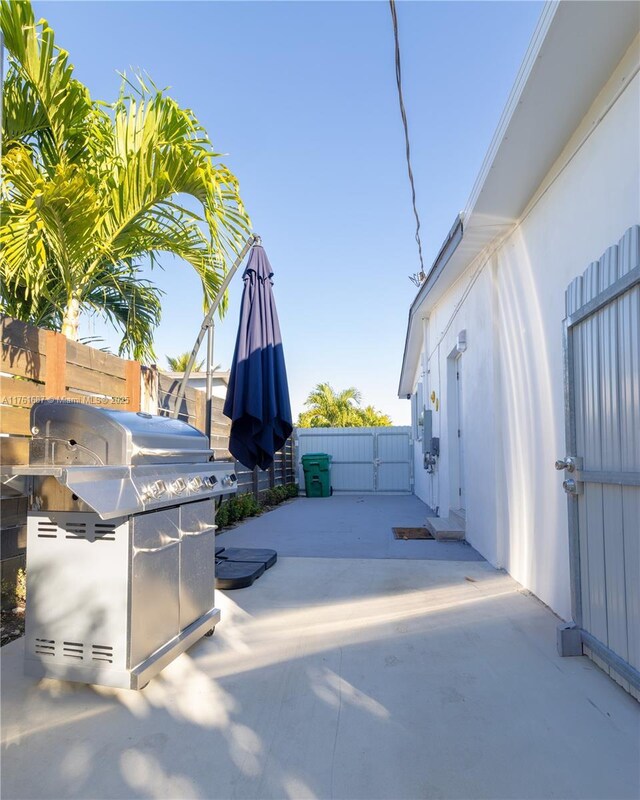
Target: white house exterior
x=198, y=380
x=559, y=186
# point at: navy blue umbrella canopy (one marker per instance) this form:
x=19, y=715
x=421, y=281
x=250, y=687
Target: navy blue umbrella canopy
x=258, y=395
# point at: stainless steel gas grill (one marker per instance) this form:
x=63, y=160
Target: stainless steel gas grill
x=120, y=542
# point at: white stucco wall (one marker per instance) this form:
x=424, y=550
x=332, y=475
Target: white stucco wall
x=513, y=415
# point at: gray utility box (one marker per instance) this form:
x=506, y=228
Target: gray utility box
x=427, y=430
x=113, y=602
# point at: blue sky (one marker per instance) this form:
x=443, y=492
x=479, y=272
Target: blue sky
x=302, y=98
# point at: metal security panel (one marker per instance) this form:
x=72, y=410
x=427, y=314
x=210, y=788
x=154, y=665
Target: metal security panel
x=364, y=460
x=602, y=465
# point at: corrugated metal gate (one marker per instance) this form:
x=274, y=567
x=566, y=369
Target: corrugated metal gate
x=364, y=459
x=602, y=467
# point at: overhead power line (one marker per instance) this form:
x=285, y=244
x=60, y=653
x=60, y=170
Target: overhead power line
x=418, y=277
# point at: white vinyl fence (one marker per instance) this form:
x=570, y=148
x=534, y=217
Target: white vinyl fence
x=371, y=460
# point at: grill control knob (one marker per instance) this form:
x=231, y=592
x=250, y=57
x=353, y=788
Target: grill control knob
x=193, y=484
x=154, y=490
x=178, y=486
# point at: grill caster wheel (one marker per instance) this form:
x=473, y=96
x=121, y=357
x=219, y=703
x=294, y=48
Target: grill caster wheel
x=211, y=632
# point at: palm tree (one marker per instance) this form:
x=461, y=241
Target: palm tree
x=91, y=190
x=331, y=409
x=179, y=363
x=372, y=418
x=328, y=409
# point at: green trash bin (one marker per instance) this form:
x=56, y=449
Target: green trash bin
x=317, y=474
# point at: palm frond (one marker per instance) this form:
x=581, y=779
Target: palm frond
x=131, y=304
x=45, y=68
x=91, y=189
x=181, y=362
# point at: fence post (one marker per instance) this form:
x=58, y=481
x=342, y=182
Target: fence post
x=149, y=390
x=132, y=377
x=291, y=466
x=200, y=414
x=56, y=369
x=256, y=489
x=272, y=476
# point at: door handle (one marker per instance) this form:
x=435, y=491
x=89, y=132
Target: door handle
x=570, y=463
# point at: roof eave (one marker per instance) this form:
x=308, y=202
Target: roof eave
x=418, y=310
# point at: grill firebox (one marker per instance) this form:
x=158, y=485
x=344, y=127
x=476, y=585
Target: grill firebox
x=120, y=542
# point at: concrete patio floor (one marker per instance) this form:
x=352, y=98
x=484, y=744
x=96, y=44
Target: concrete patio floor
x=347, y=526
x=339, y=677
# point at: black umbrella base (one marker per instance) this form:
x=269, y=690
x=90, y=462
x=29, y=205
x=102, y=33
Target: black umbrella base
x=237, y=574
x=239, y=567
x=254, y=554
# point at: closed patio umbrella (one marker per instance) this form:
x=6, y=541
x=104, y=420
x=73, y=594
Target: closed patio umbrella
x=258, y=395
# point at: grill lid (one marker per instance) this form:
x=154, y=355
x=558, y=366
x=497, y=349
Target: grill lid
x=68, y=434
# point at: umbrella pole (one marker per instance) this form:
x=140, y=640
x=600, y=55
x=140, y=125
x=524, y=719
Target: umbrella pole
x=253, y=238
x=209, y=410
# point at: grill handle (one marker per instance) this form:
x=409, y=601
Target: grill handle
x=163, y=452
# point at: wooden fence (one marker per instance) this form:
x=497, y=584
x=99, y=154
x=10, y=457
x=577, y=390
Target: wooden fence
x=282, y=471
x=37, y=364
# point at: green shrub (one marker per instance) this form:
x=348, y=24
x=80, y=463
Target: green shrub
x=271, y=497
x=249, y=506
x=222, y=515
x=14, y=595
x=241, y=506
x=21, y=587
x=277, y=494
x=252, y=505
x=235, y=509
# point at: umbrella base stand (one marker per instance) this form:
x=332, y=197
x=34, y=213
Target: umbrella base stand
x=240, y=567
